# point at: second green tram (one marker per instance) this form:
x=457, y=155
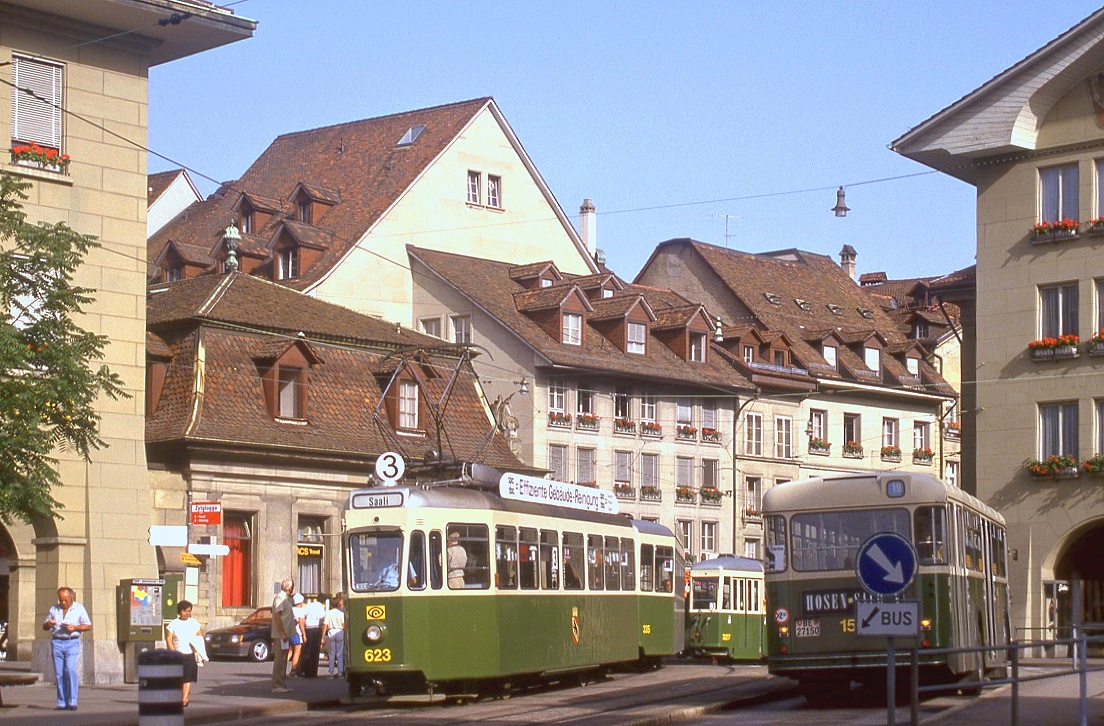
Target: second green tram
x=455, y=590
x=814, y=528
x=726, y=614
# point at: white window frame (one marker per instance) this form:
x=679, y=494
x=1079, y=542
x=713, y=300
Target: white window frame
x=855, y=420
x=891, y=431
x=1058, y=193
x=749, y=354
x=622, y=467
x=38, y=118
x=288, y=400
x=912, y=365
x=461, y=329
x=585, y=399
x=572, y=329
x=475, y=181
x=1058, y=313
x=921, y=435
x=753, y=491
x=557, y=397
x=950, y=473
x=684, y=412
x=684, y=471
x=783, y=437
x=408, y=405
x=431, y=326
x=1058, y=429
x=708, y=536
x=711, y=473
x=751, y=547
x=494, y=191
x=636, y=338
x=686, y=534
x=818, y=423
x=697, y=347
x=829, y=355
x=648, y=407
x=872, y=357
x=585, y=465
x=288, y=261
x=753, y=434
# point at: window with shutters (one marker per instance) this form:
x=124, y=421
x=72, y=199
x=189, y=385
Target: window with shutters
x=37, y=102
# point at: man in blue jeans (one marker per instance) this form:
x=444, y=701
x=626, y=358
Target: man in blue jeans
x=66, y=621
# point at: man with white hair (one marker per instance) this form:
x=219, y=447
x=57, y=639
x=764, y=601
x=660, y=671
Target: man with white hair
x=283, y=628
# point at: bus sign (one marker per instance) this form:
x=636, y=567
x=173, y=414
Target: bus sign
x=545, y=491
x=888, y=619
x=886, y=564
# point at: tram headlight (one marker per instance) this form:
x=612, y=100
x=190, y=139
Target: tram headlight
x=925, y=624
x=783, y=631
x=373, y=633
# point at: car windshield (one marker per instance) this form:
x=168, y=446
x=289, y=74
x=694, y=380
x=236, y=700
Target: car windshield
x=258, y=616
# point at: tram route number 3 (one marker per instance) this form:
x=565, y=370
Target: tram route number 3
x=377, y=655
x=390, y=466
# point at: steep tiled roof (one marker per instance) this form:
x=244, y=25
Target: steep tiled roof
x=157, y=183
x=543, y=298
x=257, y=304
x=358, y=163
x=489, y=285
x=617, y=307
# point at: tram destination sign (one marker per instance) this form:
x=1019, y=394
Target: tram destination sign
x=545, y=491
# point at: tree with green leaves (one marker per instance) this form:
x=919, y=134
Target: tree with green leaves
x=49, y=378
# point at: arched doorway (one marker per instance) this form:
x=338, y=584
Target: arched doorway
x=1077, y=591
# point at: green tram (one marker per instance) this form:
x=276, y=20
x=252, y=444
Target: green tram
x=497, y=593
x=814, y=528
x=726, y=615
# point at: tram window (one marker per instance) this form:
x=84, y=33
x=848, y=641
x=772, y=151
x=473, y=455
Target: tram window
x=973, y=541
x=574, y=561
x=613, y=563
x=527, y=558
x=755, y=599
x=416, y=574
x=665, y=568
x=703, y=593
x=595, y=562
x=829, y=540
x=726, y=594
x=997, y=545
x=374, y=559
x=775, y=560
x=475, y=541
x=628, y=565
x=549, y=560
x=741, y=594
x=506, y=555
x=646, y=572
x=435, y=554
x=931, y=535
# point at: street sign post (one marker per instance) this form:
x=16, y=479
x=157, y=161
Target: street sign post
x=206, y=512
x=888, y=619
x=885, y=564
x=168, y=535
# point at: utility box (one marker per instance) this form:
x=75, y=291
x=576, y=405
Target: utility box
x=138, y=606
x=171, y=593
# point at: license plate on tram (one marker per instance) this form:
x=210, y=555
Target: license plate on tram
x=807, y=628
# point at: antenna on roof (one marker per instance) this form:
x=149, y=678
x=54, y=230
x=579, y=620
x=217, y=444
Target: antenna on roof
x=341, y=147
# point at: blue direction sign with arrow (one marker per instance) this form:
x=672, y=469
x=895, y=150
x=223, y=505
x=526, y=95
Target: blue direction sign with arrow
x=886, y=564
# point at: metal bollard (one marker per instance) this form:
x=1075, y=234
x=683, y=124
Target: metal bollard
x=160, y=688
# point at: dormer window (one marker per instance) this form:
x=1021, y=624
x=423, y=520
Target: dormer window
x=247, y=221
x=772, y=298
x=873, y=359
x=173, y=274
x=697, y=347
x=803, y=304
x=291, y=387
x=913, y=365
x=408, y=405
x=834, y=309
x=606, y=292
x=636, y=336
x=572, y=329
x=287, y=264
x=780, y=358
x=305, y=211
x=868, y=314
x=546, y=282
x=829, y=353
x=749, y=354
x=920, y=330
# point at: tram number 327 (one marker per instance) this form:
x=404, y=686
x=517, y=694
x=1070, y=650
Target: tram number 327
x=377, y=655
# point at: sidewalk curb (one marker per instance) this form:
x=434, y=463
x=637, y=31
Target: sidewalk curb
x=764, y=693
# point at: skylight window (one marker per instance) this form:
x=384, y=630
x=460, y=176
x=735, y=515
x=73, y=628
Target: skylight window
x=834, y=309
x=772, y=298
x=803, y=304
x=868, y=314
x=411, y=135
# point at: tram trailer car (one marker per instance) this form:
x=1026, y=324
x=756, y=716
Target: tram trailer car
x=726, y=616
x=540, y=592
x=814, y=528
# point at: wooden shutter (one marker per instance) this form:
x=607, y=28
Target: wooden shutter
x=37, y=117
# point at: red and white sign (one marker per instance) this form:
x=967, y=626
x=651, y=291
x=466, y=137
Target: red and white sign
x=206, y=512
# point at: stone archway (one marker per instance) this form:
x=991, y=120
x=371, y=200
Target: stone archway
x=1081, y=557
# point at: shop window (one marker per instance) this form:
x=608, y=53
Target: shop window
x=237, y=566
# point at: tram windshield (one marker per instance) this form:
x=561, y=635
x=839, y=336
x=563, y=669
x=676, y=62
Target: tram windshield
x=375, y=558
x=830, y=540
x=704, y=593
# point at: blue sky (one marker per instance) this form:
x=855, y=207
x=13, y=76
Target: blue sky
x=654, y=110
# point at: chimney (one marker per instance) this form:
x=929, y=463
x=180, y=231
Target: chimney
x=588, y=226
x=847, y=260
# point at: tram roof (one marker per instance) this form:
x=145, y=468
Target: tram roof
x=729, y=562
x=467, y=498
x=844, y=491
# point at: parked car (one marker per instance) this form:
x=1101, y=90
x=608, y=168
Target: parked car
x=251, y=638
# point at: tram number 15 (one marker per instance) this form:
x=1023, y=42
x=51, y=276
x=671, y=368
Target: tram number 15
x=377, y=655
x=847, y=625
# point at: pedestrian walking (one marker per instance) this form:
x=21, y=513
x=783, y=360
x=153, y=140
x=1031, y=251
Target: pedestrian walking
x=283, y=627
x=185, y=635
x=66, y=621
x=314, y=613
x=335, y=636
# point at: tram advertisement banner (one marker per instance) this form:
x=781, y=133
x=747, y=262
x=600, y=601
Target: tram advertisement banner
x=546, y=491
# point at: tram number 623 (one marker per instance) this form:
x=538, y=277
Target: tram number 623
x=377, y=655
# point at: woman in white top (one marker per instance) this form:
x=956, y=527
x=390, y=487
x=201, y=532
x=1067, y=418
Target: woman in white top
x=300, y=636
x=182, y=635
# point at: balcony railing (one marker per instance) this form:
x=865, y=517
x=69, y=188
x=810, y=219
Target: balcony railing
x=624, y=491
x=710, y=436
x=650, y=493
x=624, y=426
x=587, y=422
x=686, y=433
x=650, y=428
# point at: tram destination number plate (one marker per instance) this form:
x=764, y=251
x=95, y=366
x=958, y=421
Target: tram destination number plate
x=807, y=628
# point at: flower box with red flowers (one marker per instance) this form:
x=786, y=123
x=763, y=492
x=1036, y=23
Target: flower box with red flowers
x=819, y=446
x=952, y=430
x=40, y=157
x=891, y=453
x=559, y=419
x=922, y=455
x=587, y=421
x=686, y=432
x=651, y=428
x=1095, y=225
x=852, y=450
x=710, y=495
x=1055, y=466
x=1051, y=231
x=623, y=490
x=684, y=494
x=1095, y=345
x=1064, y=346
x=1094, y=465
x=624, y=426
x=751, y=512
x=650, y=493
x=709, y=435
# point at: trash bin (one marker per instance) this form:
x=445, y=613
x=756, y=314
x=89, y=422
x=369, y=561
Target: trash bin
x=160, y=687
